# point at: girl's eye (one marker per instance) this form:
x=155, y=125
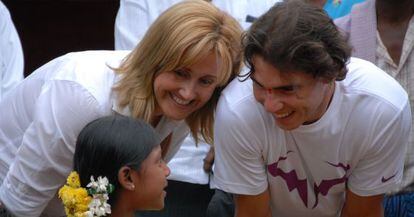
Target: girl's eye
x=161, y=162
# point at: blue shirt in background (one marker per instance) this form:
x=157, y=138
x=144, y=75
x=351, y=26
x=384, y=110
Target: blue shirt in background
x=339, y=8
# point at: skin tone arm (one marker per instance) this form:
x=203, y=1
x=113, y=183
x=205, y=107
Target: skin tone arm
x=209, y=160
x=253, y=205
x=357, y=206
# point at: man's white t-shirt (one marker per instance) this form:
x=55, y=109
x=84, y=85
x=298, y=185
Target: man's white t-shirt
x=359, y=143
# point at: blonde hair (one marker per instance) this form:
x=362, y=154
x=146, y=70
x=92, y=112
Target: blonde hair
x=181, y=36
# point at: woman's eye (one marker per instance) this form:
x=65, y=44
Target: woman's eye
x=206, y=82
x=180, y=73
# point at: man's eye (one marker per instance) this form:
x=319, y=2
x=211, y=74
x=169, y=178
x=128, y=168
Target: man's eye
x=288, y=89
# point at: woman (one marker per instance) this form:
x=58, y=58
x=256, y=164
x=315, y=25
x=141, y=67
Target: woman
x=133, y=173
x=172, y=80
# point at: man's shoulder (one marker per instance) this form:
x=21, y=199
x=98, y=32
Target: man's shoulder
x=238, y=93
x=238, y=106
x=367, y=80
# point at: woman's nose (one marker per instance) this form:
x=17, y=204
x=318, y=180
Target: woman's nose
x=187, y=91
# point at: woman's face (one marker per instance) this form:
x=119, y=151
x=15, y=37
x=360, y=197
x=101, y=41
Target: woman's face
x=184, y=90
x=152, y=180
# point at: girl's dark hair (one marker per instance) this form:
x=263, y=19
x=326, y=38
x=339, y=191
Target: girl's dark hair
x=109, y=143
x=295, y=35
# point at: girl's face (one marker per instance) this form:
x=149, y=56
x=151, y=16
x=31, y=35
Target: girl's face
x=184, y=90
x=152, y=179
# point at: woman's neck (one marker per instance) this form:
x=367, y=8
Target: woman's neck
x=155, y=120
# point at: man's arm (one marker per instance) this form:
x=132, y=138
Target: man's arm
x=356, y=205
x=253, y=205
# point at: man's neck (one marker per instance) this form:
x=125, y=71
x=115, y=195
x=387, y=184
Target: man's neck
x=392, y=11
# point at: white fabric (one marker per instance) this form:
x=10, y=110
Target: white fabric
x=187, y=163
x=361, y=138
x=41, y=120
x=11, y=54
x=133, y=20
x=135, y=16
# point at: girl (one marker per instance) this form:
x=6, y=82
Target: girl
x=126, y=156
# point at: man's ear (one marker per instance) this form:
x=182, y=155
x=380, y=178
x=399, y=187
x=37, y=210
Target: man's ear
x=125, y=178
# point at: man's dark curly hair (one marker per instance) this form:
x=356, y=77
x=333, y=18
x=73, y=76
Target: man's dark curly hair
x=297, y=36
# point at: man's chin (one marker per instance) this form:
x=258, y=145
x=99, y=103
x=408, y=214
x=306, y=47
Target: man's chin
x=287, y=126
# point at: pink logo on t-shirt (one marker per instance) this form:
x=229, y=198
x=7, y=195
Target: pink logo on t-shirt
x=291, y=178
x=293, y=182
x=325, y=185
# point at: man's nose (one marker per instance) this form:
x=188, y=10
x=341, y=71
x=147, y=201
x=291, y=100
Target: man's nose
x=272, y=102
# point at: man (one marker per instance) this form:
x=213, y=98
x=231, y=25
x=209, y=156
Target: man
x=310, y=132
x=382, y=32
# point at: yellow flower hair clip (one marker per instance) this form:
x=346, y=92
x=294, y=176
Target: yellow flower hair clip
x=79, y=202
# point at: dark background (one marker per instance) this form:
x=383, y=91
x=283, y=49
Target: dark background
x=51, y=28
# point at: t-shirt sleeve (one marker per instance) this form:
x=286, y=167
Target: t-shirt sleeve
x=381, y=168
x=239, y=165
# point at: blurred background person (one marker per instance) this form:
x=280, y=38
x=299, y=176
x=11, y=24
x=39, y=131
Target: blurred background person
x=11, y=53
x=335, y=8
x=382, y=32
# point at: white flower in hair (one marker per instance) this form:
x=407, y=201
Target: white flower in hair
x=88, y=213
x=102, y=184
x=99, y=190
x=92, y=184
